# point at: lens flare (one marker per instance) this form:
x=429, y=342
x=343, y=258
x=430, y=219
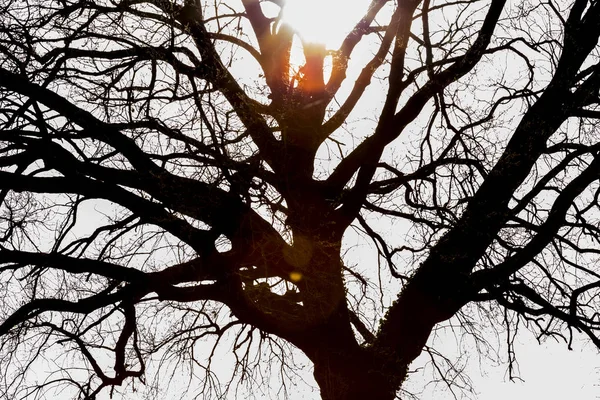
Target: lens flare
x=295, y=276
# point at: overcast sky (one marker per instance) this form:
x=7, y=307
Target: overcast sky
x=549, y=372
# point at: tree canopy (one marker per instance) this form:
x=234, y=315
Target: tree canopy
x=178, y=174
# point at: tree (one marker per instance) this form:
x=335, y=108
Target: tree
x=154, y=195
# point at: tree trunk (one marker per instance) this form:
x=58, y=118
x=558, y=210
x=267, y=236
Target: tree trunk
x=362, y=377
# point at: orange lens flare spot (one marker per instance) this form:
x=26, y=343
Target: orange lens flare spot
x=295, y=276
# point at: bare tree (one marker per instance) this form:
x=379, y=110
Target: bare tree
x=171, y=174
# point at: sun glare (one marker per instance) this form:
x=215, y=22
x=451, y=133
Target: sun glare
x=324, y=21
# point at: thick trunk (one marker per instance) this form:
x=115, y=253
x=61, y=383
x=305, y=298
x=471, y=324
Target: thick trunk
x=361, y=376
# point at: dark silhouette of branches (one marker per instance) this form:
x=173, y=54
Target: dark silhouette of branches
x=173, y=173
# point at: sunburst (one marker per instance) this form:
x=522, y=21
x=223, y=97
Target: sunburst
x=324, y=21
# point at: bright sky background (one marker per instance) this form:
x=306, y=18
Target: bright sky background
x=549, y=372
x=324, y=21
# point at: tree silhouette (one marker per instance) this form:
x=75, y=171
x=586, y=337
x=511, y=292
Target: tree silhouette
x=175, y=174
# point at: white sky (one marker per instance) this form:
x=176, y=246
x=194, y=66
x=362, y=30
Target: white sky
x=549, y=372
x=324, y=21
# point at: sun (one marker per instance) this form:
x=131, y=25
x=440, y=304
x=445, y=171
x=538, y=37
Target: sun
x=324, y=21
